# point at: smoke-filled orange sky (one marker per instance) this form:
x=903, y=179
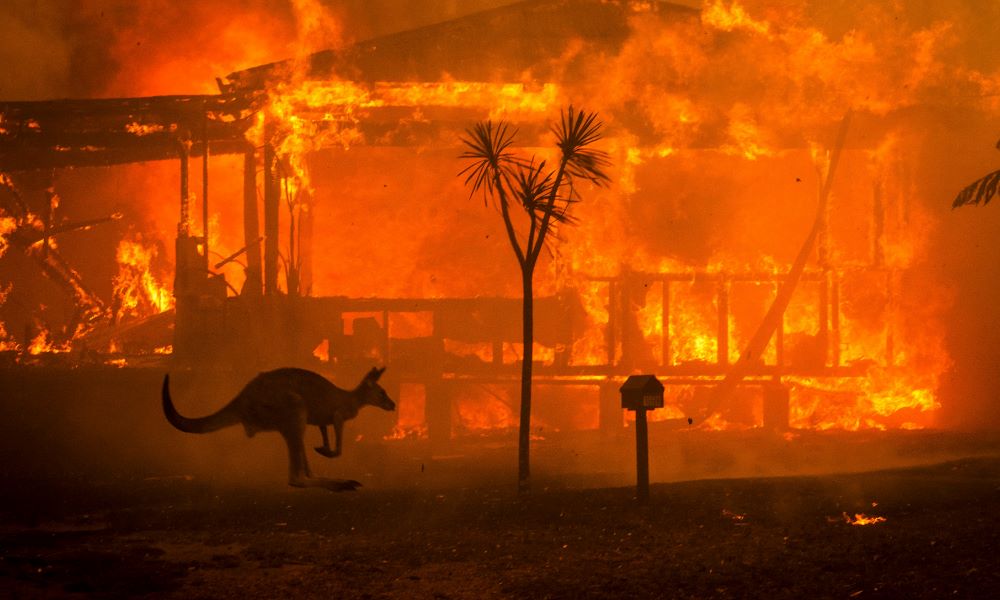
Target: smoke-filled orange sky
x=718, y=145
x=100, y=48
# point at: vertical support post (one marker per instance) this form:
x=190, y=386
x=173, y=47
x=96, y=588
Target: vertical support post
x=610, y=335
x=624, y=305
x=251, y=224
x=824, y=314
x=306, y=225
x=779, y=339
x=184, y=226
x=272, y=193
x=204, y=183
x=641, y=456
x=835, y=318
x=437, y=412
x=185, y=248
x=722, y=354
x=385, y=338
x=667, y=359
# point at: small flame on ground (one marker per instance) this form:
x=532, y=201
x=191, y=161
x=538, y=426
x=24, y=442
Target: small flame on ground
x=861, y=519
x=735, y=517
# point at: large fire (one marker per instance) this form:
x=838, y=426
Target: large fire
x=138, y=291
x=719, y=127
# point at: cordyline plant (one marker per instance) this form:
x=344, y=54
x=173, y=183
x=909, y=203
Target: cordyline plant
x=979, y=191
x=545, y=194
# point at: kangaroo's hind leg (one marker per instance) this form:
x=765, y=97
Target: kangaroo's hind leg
x=299, y=474
x=298, y=467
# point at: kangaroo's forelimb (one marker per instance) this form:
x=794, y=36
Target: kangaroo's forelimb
x=338, y=428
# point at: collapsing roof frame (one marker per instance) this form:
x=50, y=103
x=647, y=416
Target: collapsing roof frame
x=101, y=132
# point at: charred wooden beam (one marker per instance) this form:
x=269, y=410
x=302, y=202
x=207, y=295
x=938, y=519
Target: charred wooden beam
x=97, y=132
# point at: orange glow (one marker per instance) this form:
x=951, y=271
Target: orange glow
x=486, y=408
x=410, y=409
x=719, y=132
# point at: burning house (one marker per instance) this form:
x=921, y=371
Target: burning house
x=308, y=213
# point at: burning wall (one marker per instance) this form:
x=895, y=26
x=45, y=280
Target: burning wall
x=720, y=123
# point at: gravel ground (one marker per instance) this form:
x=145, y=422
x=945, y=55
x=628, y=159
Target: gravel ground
x=186, y=537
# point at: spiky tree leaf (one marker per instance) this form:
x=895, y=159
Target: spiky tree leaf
x=576, y=131
x=979, y=191
x=488, y=146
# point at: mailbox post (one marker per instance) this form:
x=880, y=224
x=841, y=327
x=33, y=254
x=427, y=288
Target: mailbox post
x=642, y=393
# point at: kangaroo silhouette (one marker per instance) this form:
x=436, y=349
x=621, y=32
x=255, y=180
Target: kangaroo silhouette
x=287, y=400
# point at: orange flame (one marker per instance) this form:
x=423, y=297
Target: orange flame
x=137, y=290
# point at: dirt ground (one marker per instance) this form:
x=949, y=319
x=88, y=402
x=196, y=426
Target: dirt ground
x=788, y=537
x=102, y=498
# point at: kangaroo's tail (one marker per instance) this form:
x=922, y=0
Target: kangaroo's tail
x=217, y=420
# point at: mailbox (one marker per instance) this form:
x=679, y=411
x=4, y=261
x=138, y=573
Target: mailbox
x=642, y=392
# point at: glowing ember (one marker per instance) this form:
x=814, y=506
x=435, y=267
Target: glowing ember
x=861, y=519
x=140, y=129
x=737, y=518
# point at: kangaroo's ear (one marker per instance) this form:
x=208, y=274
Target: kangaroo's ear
x=376, y=373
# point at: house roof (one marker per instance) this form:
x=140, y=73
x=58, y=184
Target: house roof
x=499, y=44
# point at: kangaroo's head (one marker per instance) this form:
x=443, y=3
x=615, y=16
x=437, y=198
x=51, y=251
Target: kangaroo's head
x=373, y=393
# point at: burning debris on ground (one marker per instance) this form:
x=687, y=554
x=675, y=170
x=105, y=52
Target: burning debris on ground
x=221, y=190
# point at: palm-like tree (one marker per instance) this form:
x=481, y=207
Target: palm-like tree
x=545, y=195
x=981, y=190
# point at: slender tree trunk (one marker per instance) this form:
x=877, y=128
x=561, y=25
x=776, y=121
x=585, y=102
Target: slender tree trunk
x=524, y=431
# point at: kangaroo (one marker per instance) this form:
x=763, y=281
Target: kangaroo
x=286, y=400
